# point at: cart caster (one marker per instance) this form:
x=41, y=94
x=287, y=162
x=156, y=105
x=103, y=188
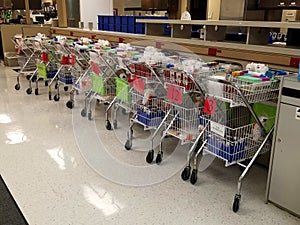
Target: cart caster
x=66, y=88
x=50, y=97
x=106, y=103
x=108, y=125
x=28, y=77
x=56, y=98
x=29, y=91
x=150, y=156
x=236, y=203
x=56, y=86
x=185, y=175
x=128, y=144
x=115, y=124
x=83, y=112
x=36, y=91
x=90, y=115
x=46, y=83
x=17, y=87
x=70, y=104
x=159, y=158
x=194, y=177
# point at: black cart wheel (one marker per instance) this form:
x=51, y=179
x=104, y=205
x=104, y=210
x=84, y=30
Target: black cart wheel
x=90, y=116
x=36, y=91
x=236, y=203
x=150, y=156
x=17, y=87
x=56, y=98
x=158, y=159
x=46, y=83
x=29, y=91
x=128, y=145
x=50, y=97
x=70, y=104
x=66, y=88
x=83, y=112
x=108, y=125
x=56, y=86
x=28, y=77
x=194, y=177
x=34, y=79
x=185, y=175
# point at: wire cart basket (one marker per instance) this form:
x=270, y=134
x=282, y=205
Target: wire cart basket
x=230, y=129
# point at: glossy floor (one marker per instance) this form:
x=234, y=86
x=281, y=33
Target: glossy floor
x=44, y=168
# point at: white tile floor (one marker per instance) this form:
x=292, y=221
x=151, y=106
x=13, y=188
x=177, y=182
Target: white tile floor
x=52, y=183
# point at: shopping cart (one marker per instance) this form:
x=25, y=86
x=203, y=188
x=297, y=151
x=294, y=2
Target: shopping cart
x=104, y=69
x=81, y=53
x=231, y=130
x=28, y=53
x=67, y=71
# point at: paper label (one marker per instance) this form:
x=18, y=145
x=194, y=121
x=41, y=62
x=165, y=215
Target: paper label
x=217, y=128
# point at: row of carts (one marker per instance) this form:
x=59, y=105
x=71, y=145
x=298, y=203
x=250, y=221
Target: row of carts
x=209, y=106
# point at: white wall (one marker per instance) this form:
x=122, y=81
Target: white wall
x=90, y=9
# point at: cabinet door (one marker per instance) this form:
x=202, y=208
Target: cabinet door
x=270, y=3
x=173, y=5
x=285, y=179
x=160, y=4
x=5, y=4
x=147, y=4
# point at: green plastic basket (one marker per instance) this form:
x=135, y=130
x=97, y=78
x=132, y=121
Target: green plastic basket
x=98, y=84
x=122, y=90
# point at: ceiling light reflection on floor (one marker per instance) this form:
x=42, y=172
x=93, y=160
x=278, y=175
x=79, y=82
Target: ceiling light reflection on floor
x=57, y=154
x=102, y=200
x=15, y=137
x=5, y=119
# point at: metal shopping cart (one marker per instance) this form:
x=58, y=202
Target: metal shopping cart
x=28, y=53
x=67, y=71
x=231, y=129
x=182, y=102
x=104, y=71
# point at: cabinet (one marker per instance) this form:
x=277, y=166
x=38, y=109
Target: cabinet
x=20, y=4
x=147, y=4
x=279, y=4
x=170, y=5
x=5, y=4
x=284, y=179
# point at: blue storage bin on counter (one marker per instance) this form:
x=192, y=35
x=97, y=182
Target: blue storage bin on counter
x=100, y=23
x=111, y=27
x=124, y=20
x=118, y=28
x=105, y=19
x=118, y=20
x=124, y=28
x=111, y=20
